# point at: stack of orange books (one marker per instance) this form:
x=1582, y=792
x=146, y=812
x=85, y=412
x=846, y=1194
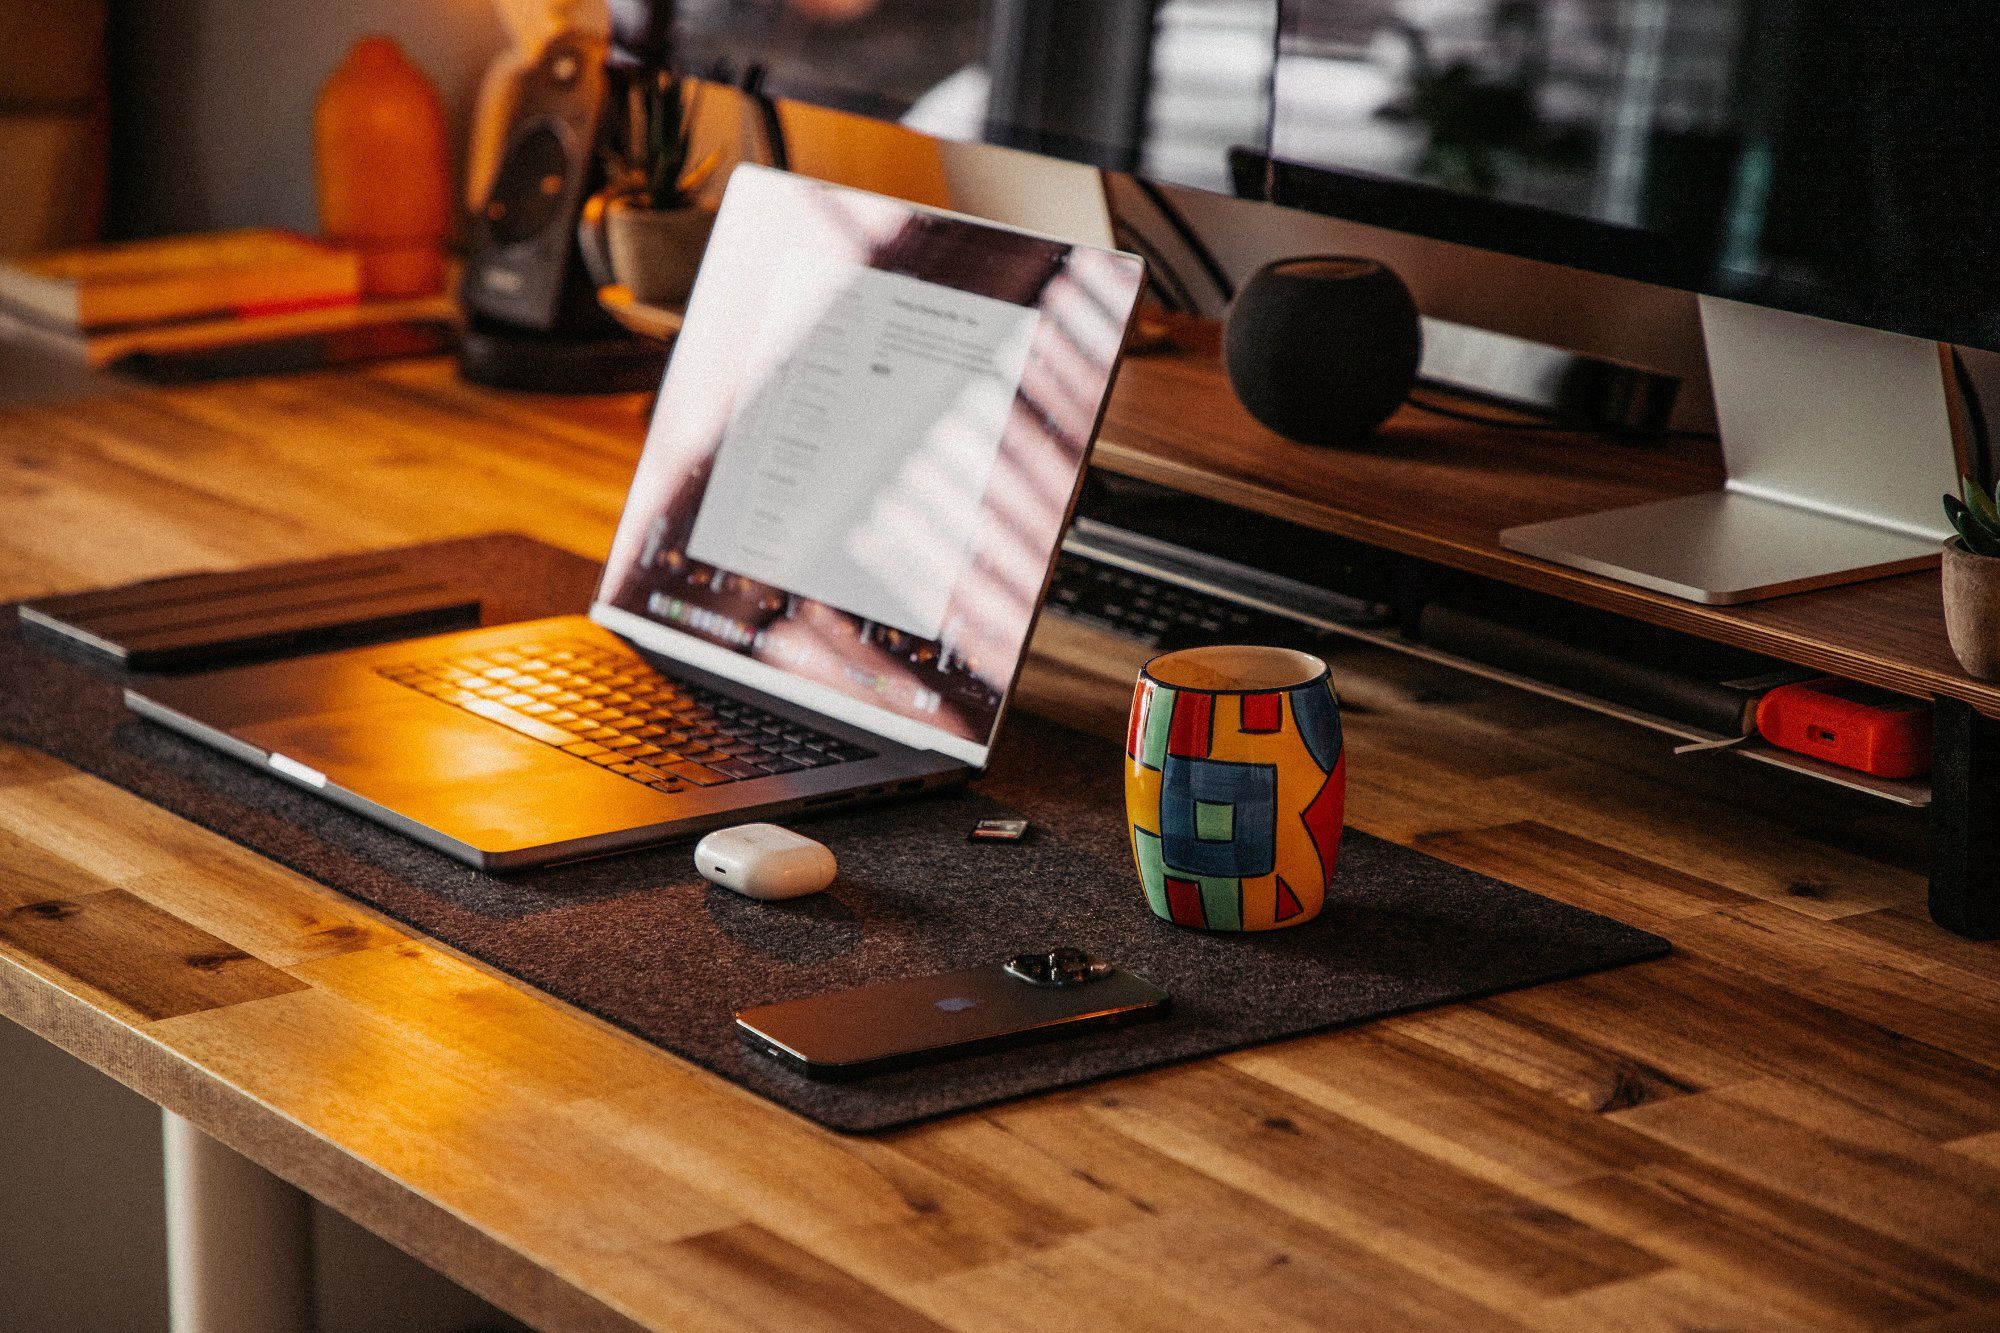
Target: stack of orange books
x=106, y=302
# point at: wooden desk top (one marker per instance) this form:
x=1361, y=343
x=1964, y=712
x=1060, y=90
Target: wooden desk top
x=1795, y=1121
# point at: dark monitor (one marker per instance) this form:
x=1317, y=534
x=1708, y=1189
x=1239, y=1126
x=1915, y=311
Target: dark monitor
x=1821, y=173
x=1838, y=158
x=1161, y=88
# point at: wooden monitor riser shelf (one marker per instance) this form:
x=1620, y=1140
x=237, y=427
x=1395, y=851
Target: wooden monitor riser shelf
x=1443, y=491
x=1793, y=1121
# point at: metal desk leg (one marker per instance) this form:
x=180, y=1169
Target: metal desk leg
x=239, y=1241
x=1965, y=821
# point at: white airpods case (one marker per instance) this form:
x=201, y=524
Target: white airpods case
x=764, y=861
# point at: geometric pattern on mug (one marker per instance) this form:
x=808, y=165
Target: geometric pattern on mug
x=1318, y=715
x=1326, y=816
x=1208, y=795
x=1292, y=734
x=1152, y=715
x=1211, y=902
x=1263, y=713
x=1319, y=724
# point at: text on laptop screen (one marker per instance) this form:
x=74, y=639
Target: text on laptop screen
x=867, y=444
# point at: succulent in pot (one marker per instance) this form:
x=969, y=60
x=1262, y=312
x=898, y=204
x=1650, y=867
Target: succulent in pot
x=1972, y=579
x=647, y=228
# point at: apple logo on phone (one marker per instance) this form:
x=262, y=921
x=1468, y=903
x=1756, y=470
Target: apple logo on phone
x=957, y=1004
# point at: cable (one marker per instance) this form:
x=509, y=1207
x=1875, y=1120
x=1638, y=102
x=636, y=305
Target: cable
x=775, y=147
x=1497, y=423
x=1159, y=274
x=1202, y=254
x=1541, y=427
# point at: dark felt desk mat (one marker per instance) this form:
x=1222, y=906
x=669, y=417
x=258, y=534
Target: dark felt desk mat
x=642, y=941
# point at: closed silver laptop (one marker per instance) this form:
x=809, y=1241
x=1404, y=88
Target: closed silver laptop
x=866, y=448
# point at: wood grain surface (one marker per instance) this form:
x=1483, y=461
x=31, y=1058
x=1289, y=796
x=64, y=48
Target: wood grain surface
x=1444, y=490
x=1794, y=1122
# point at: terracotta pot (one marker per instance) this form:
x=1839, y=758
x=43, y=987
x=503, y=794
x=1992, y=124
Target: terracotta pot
x=655, y=253
x=1972, y=609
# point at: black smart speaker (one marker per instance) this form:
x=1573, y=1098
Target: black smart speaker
x=1322, y=348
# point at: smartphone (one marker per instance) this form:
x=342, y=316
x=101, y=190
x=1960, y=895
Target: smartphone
x=897, y=1024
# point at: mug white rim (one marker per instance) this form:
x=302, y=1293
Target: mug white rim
x=1318, y=670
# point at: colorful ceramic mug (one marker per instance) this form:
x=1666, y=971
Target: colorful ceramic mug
x=1235, y=786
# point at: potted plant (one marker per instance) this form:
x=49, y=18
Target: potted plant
x=655, y=221
x=1972, y=579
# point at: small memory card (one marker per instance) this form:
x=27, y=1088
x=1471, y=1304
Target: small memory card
x=998, y=830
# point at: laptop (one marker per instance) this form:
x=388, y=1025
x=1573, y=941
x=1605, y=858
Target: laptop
x=865, y=450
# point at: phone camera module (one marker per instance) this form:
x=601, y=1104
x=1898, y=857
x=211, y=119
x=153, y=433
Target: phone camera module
x=1058, y=967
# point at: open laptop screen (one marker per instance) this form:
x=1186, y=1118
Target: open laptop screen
x=866, y=446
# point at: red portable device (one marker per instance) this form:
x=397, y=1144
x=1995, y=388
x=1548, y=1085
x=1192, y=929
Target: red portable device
x=1856, y=726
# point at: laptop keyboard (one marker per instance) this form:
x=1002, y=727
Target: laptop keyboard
x=615, y=710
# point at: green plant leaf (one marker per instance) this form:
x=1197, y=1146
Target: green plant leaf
x=1957, y=514
x=1981, y=508
x=1981, y=536
x=1955, y=510
x=1979, y=502
x=1976, y=537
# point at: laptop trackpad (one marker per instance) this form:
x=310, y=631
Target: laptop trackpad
x=466, y=777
